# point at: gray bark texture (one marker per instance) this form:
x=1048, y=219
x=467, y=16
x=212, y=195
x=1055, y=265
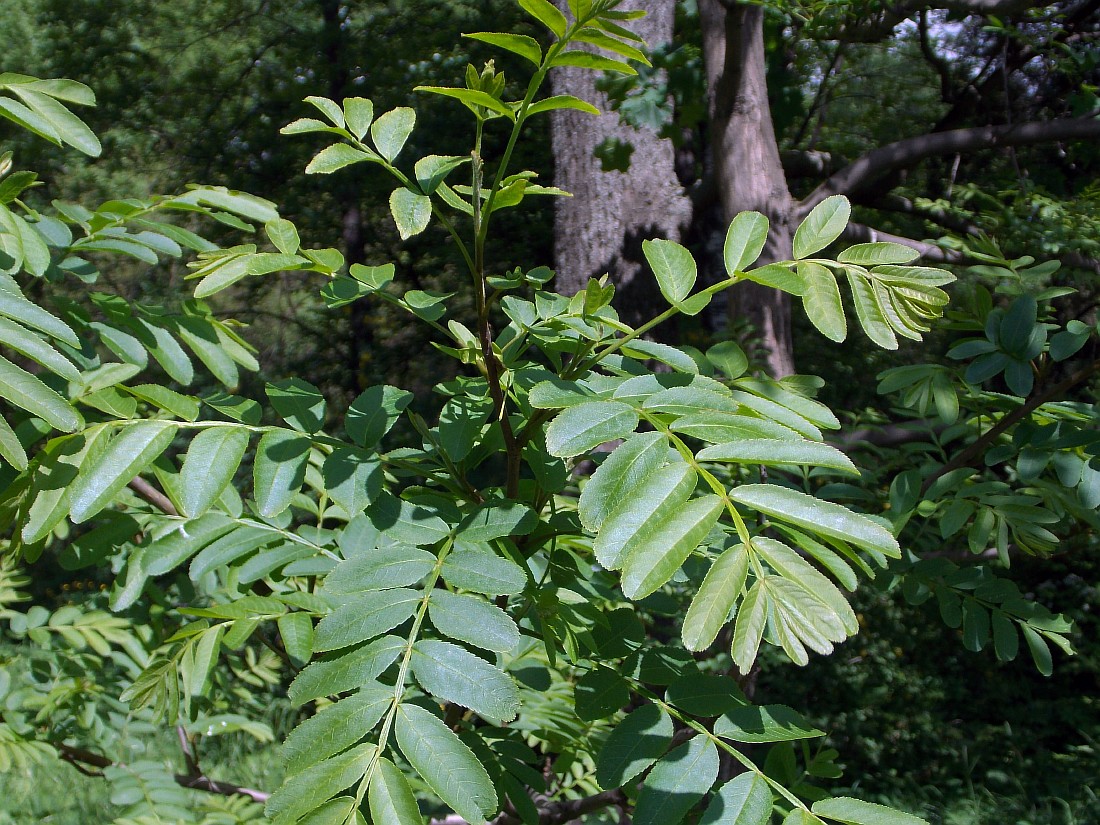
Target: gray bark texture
x=601, y=229
x=746, y=161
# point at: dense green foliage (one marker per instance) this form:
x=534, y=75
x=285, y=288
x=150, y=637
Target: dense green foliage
x=492, y=601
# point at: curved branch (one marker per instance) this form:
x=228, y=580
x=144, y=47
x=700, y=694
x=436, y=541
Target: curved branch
x=908, y=152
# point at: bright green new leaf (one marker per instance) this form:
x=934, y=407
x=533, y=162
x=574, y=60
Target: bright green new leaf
x=556, y=102
x=314, y=786
x=818, y=516
x=127, y=455
x=653, y=556
x=329, y=109
x=335, y=728
x=793, y=567
x=545, y=12
x=677, y=783
x=364, y=617
x=870, y=313
x=526, y=47
x=674, y=268
x=712, y=604
x=595, y=62
x=390, y=131
x=390, y=798
x=821, y=300
x=745, y=239
x=445, y=763
x=579, y=429
x=209, y=466
x=627, y=466
x=381, y=568
x=453, y=674
x=640, y=515
x=744, y=800
x=336, y=157
x=473, y=620
x=856, y=812
x=337, y=673
x=27, y=343
x=634, y=744
x=822, y=226
x=358, y=114
x=764, y=723
x=411, y=212
x=27, y=392
x=279, y=470
x=431, y=170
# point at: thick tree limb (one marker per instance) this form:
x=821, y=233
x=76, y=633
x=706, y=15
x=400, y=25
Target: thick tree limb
x=905, y=153
x=881, y=25
x=78, y=757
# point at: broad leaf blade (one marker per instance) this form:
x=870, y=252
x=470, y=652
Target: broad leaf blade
x=744, y=800
x=677, y=783
x=209, y=466
x=720, y=590
x=279, y=471
x=745, y=239
x=856, y=812
x=674, y=268
x=581, y=428
x=127, y=455
x=453, y=674
x=822, y=226
x=634, y=744
x=390, y=798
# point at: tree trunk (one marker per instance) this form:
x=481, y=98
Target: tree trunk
x=746, y=160
x=602, y=227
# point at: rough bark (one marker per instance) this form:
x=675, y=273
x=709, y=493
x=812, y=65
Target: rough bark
x=602, y=227
x=746, y=160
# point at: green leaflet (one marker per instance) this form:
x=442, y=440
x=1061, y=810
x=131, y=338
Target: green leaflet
x=172, y=547
x=27, y=392
x=405, y=522
x=334, y=812
x=279, y=470
x=703, y=694
x=10, y=447
x=822, y=226
x=53, y=479
x=15, y=306
x=383, y=568
x=771, y=452
x=296, y=631
x=345, y=671
x=744, y=800
x=748, y=630
x=793, y=567
x=228, y=549
x=390, y=798
x=821, y=300
x=39, y=351
x=390, y=131
x=209, y=466
x=336, y=157
x=856, y=812
x=351, y=480
x=778, y=413
x=716, y=597
x=546, y=13
x=880, y=252
x=817, y=516
x=677, y=783
x=482, y=571
x=445, y=763
x=719, y=427
x=869, y=311
x=578, y=429
x=764, y=723
x=634, y=744
x=813, y=411
x=335, y=727
x=374, y=412
x=630, y=463
x=497, y=519
x=127, y=455
x=453, y=674
x=745, y=239
x=654, y=555
x=640, y=515
x=364, y=618
x=299, y=403
x=473, y=620
x=411, y=212
x=314, y=786
x=674, y=268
